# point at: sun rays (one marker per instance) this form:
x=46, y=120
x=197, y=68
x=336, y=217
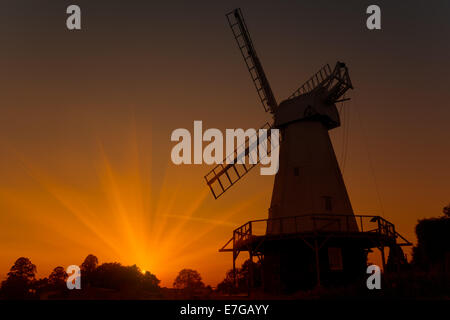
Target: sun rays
x=120, y=214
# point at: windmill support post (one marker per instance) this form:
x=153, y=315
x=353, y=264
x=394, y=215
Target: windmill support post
x=316, y=251
x=250, y=272
x=383, y=258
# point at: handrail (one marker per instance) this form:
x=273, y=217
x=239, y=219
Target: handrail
x=382, y=226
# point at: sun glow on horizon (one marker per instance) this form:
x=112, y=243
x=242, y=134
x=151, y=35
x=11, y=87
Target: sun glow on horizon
x=119, y=215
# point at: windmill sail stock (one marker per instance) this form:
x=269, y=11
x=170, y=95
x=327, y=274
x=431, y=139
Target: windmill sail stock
x=244, y=158
x=254, y=66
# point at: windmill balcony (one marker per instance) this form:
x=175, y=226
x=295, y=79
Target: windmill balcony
x=299, y=252
x=374, y=230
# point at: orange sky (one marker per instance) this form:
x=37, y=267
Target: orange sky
x=86, y=120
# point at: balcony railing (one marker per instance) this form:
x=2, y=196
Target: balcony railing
x=314, y=223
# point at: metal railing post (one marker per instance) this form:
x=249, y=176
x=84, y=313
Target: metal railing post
x=234, y=260
x=379, y=225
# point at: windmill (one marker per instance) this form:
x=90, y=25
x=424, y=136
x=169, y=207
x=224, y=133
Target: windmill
x=311, y=227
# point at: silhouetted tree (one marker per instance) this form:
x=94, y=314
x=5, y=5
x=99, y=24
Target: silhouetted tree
x=244, y=274
x=87, y=269
x=188, y=279
x=57, y=278
x=242, y=278
x=150, y=281
x=113, y=276
x=20, y=279
x=433, y=243
x=128, y=281
x=23, y=268
x=227, y=284
x=446, y=210
x=116, y=276
x=89, y=264
x=40, y=286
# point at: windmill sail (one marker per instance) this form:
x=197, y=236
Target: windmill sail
x=239, y=163
x=336, y=82
x=318, y=78
x=245, y=44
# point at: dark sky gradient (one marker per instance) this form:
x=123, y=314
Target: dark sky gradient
x=138, y=70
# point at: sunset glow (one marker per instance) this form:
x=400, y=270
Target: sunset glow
x=86, y=120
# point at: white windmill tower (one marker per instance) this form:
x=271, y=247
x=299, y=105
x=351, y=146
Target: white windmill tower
x=310, y=204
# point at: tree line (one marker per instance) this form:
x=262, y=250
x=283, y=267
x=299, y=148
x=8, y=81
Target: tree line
x=429, y=270
x=130, y=281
